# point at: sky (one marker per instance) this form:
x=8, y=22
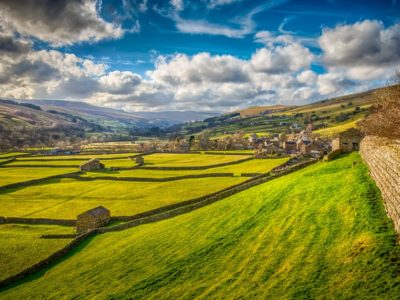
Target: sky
x=204, y=55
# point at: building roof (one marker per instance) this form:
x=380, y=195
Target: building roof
x=95, y=212
x=351, y=132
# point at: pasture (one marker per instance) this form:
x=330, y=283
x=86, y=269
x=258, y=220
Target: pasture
x=292, y=237
x=21, y=245
x=251, y=166
x=66, y=198
x=185, y=160
x=14, y=175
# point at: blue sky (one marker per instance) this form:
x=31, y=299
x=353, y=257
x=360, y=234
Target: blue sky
x=200, y=55
x=158, y=32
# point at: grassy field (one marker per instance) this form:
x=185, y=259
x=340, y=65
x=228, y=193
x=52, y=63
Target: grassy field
x=251, y=166
x=11, y=154
x=334, y=130
x=319, y=233
x=40, y=163
x=173, y=160
x=78, y=156
x=14, y=175
x=66, y=198
x=21, y=246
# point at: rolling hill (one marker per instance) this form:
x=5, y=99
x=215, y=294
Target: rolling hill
x=329, y=113
x=292, y=237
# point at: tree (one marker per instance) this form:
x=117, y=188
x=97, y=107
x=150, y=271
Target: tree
x=384, y=119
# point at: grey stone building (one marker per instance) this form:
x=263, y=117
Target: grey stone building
x=92, y=219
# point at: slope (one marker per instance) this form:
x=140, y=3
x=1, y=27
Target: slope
x=276, y=119
x=318, y=233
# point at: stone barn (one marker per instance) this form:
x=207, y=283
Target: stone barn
x=139, y=160
x=91, y=165
x=348, y=141
x=92, y=219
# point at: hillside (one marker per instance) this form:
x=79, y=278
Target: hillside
x=329, y=113
x=289, y=238
x=118, y=118
x=256, y=110
x=29, y=124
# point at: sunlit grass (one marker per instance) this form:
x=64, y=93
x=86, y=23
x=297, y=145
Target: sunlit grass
x=22, y=247
x=319, y=233
x=66, y=198
x=10, y=175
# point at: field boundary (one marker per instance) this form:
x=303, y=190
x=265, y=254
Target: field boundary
x=156, y=215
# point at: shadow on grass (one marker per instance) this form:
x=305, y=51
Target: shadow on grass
x=40, y=273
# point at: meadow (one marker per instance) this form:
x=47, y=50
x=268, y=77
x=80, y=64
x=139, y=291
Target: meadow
x=14, y=175
x=320, y=232
x=21, y=245
x=66, y=198
x=172, y=160
x=251, y=166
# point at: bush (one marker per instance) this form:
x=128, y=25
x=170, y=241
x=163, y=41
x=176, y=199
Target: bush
x=384, y=120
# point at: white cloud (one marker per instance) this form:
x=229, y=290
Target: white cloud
x=364, y=50
x=57, y=22
x=289, y=58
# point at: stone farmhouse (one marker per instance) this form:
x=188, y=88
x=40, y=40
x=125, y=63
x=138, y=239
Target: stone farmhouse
x=92, y=219
x=91, y=165
x=348, y=141
x=139, y=160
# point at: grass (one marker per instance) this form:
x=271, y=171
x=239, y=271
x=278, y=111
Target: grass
x=251, y=166
x=44, y=163
x=334, y=130
x=11, y=154
x=78, y=156
x=168, y=160
x=66, y=198
x=320, y=233
x=22, y=247
x=14, y=175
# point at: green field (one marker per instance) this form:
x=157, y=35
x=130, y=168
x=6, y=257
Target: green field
x=79, y=156
x=22, y=247
x=321, y=232
x=11, y=154
x=13, y=175
x=66, y=198
x=40, y=163
x=251, y=166
x=174, y=160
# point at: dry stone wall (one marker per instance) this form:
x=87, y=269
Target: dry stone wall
x=383, y=159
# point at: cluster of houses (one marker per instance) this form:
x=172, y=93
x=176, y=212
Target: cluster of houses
x=304, y=143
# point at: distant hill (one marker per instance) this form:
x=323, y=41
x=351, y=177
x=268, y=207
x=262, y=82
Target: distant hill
x=113, y=117
x=334, y=114
x=256, y=110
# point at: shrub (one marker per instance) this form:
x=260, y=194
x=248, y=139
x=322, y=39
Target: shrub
x=384, y=119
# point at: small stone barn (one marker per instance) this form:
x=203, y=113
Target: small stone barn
x=92, y=219
x=348, y=141
x=91, y=165
x=139, y=160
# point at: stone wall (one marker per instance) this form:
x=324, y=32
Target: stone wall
x=383, y=159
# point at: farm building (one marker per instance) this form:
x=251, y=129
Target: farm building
x=348, y=141
x=139, y=160
x=316, y=148
x=92, y=219
x=290, y=146
x=93, y=164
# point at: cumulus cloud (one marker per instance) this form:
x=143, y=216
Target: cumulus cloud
x=364, y=50
x=63, y=22
x=292, y=57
